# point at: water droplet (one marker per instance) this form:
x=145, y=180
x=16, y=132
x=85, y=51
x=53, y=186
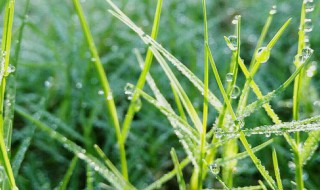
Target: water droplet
x=214, y=168
x=263, y=54
x=316, y=103
x=137, y=105
x=311, y=71
x=93, y=59
x=235, y=92
x=235, y=19
x=306, y=52
x=233, y=43
x=129, y=90
x=78, y=85
x=273, y=10
x=307, y=25
x=110, y=96
x=11, y=69
x=48, y=83
x=229, y=77
x=100, y=92
x=268, y=135
x=309, y=5
x=292, y=165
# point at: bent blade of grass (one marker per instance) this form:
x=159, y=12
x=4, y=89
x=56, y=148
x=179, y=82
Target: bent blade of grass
x=6, y=46
x=105, y=86
x=142, y=77
x=276, y=169
x=257, y=162
x=151, y=42
x=181, y=182
x=310, y=146
x=107, y=161
x=94, y=163
x=64, y=183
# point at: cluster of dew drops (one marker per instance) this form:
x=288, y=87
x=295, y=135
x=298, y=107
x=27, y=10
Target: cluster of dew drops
x=10, y=68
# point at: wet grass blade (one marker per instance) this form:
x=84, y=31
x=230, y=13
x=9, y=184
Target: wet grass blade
x=105, y=86
x=276, y=169
x=181, y=182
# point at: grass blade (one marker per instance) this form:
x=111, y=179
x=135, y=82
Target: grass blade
x=105, y=86
x=181, y=182
x=310, y=146
x=118, y=183
x=142, y=78
x=276, y=169
x=63, y=185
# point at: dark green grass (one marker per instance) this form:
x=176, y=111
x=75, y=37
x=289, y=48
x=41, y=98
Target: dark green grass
x=55, y=60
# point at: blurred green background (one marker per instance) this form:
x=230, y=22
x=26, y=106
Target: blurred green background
x=55, y=74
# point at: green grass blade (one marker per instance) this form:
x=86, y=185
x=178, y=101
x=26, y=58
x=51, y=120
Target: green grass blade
x=21, y=152
x=203, y=132
x=310, y=146
x=5, y=56
x=257, y=162
x=242, y=155
x=178, y=102
x=157, y=184
x=181, y=182
x=64, y=183
x=276, y=169
x=89, y=178
x=151, y=42
x=105, y=86
x=118, y=183
x=142, y=78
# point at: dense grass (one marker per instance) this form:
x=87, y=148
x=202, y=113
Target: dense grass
x=69, y=63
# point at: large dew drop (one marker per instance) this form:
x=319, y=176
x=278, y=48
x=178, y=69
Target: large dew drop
x=273, y=10
x=263, y=54
x=214, y=168
x=235, y=92
x=233, y=43
x=229, y=77
x=137, y=105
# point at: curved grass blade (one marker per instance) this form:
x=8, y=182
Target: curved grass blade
x=94, y=163
x=310, y=146
x=276, y=169
x=5, y=56
x=142, y=77
x=181, y=182
x=63, y=185
x=105, y=86
x=152, y=43
x=257, y=162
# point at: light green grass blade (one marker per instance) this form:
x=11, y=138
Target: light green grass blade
x=157, y=184
x=118, y=183
x=180, y=66
x=181, y=182
x=107, y=161
x=310, y=146
x=64, y=183
x=89, y=178
x=105, y=86
x=257, y=162
x=258, y=187
x=142, y=77
x=4, y=60
x=276, y=169
x=262, y=185
x=178, y=102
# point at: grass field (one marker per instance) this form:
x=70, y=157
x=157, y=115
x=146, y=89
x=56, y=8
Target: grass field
x=89, y=100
